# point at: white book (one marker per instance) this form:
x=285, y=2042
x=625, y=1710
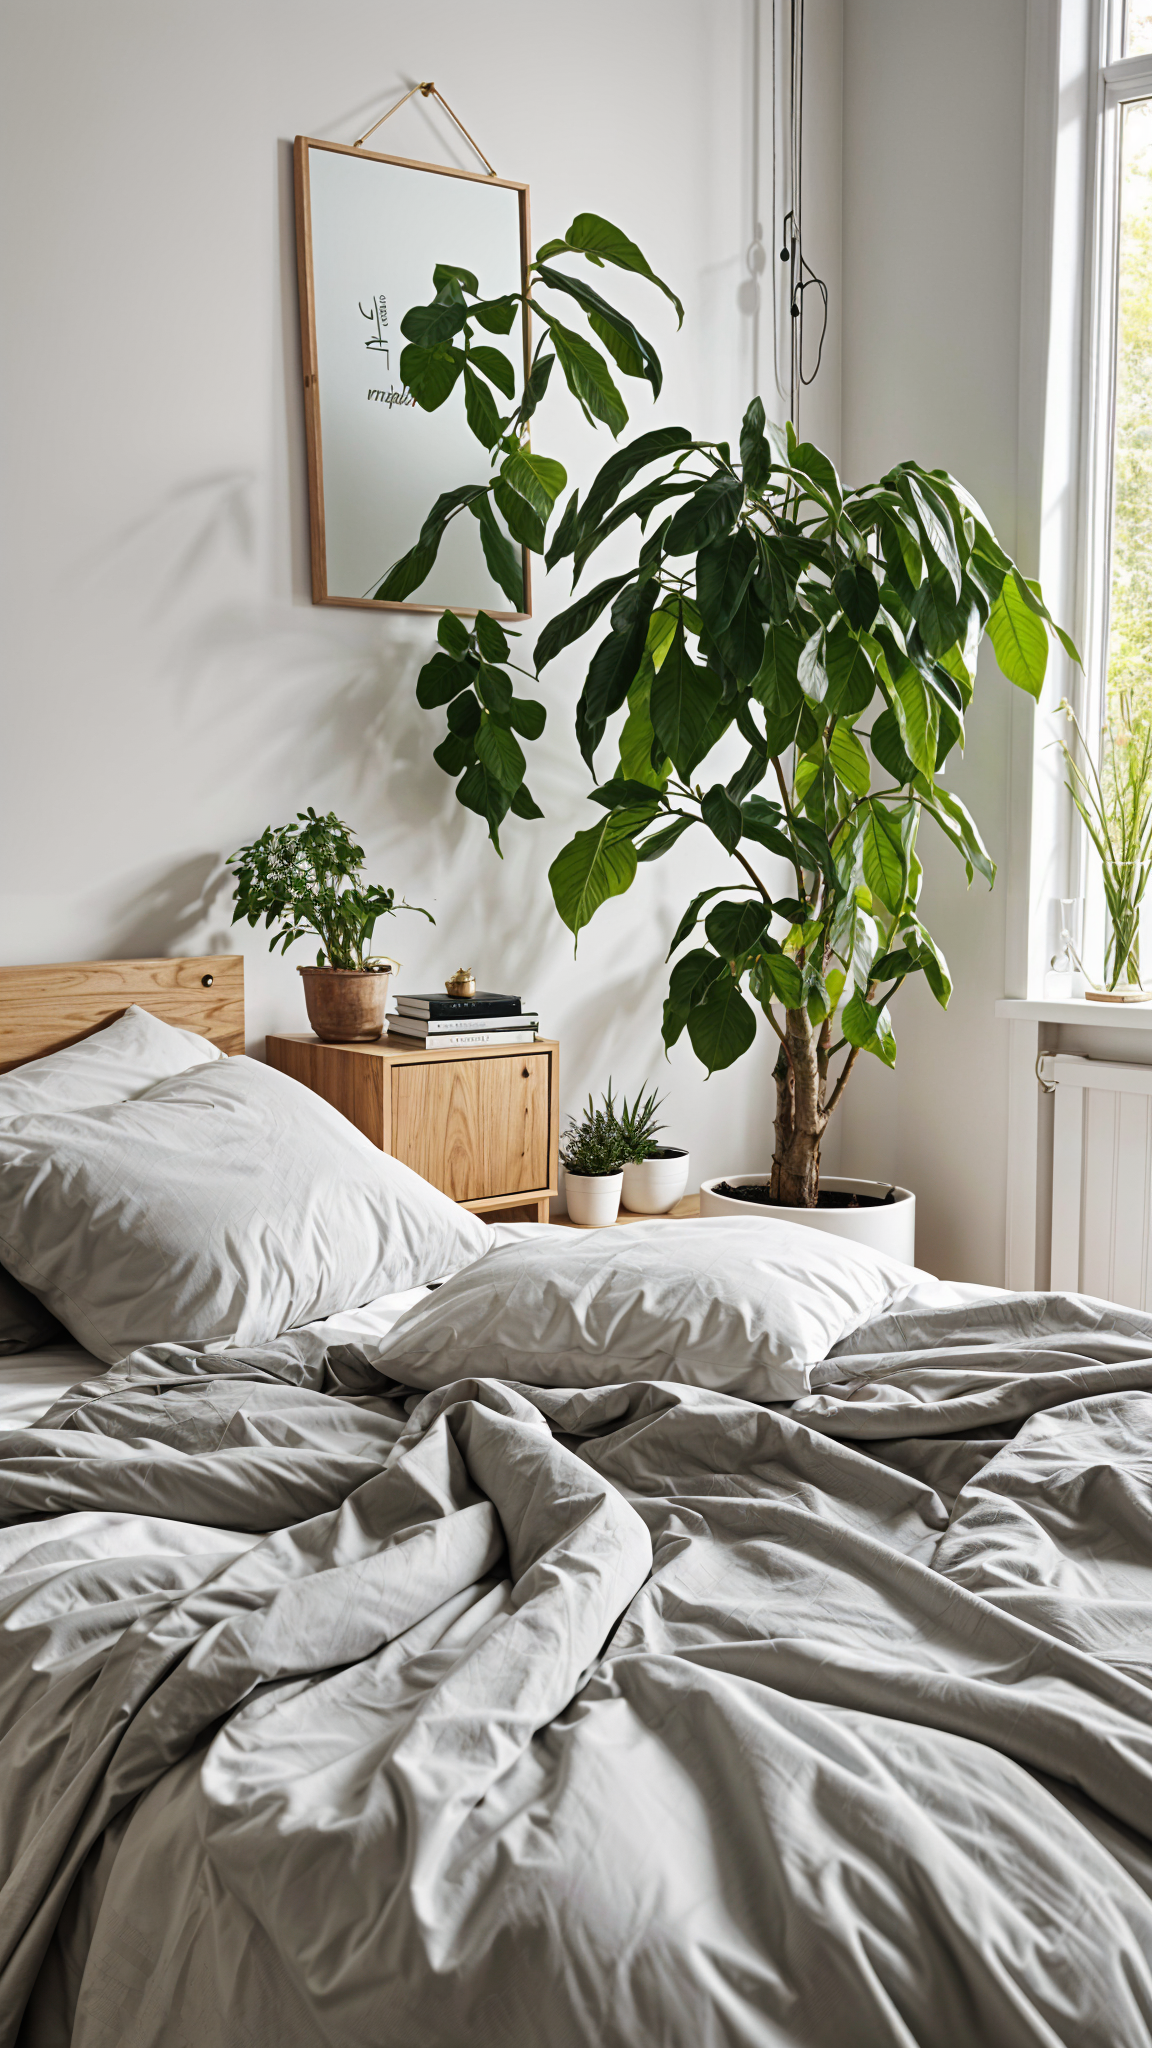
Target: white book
x=435, y=1027
x=452, y=1039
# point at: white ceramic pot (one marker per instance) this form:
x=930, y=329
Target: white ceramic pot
x=593, y=1197
x=653, y=1186
x=890, y=1228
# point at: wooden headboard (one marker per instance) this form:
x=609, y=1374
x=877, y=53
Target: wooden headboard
x=43, y=1008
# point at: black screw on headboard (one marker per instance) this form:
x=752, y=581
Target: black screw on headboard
x=206, y=980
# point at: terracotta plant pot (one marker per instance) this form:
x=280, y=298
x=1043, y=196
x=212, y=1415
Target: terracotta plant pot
x=345, y=1004
x=889, y=1227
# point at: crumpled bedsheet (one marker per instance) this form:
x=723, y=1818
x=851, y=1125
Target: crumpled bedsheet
x=625, y=1716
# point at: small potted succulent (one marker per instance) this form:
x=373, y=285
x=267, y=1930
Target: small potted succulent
x=304, y=878
x=655, y=1176
x=593, y=1153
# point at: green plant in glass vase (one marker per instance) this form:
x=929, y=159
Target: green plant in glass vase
x=1115, y=804
x=832, y=630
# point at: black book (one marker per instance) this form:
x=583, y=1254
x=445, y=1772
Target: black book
x=482, y=1004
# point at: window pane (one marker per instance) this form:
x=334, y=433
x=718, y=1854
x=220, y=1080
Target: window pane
x=1138, y=28
x=1130, y=616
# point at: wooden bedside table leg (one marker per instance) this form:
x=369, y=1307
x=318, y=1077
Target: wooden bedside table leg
x=543, y=1210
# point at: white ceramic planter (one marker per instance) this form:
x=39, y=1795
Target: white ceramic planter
x=890, y=1229
x=593, y=1197
x=653, y=1186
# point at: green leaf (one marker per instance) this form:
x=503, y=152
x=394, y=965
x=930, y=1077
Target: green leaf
x=430, y=373
x=723, y=572
x=456, y=751
x=481, y=791
x=497, y=315
x=860, y=1022
x=536, y=478
x=776, y=685
x=638, y=738
x=724, y=819
x=491, y=638
x=851, y=676
x=635, y=356
x=959, y=826
x=494, y=690
x=1019, y=640
x=857, y=595
x=409, y=572
x=495, y=366
x=733, y=929
x=441, y=679
x=611, y=673
x=723, y=1026
x=451, y=273
x=427, y=325
x=659, y=843
x=936, y=532
x=447, y=505
x=627, y=463
x=453, y=634
x=682, y=699
x=755, y=453
x=885, y=861
x=786, y=980
x=764, y=822
x=595, y=864
x=598, y=239
x=849, y=761
x=689, y=982
x=464, y=716
x=811, y=674
x=931, y=961
x=814, y=464
x=587, y=377
x=524, y=804
x=620, y=791
x=504, y=564
x=536, y=386
x=565, y=537
x=886, y=745
x=500, y=753
x=571, y=624
x=522, y=522
x=710, y=511
x=480, y=411
x=918, y=717
x=527, y=717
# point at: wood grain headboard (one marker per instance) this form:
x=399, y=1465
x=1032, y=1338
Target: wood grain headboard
x=43, y=1008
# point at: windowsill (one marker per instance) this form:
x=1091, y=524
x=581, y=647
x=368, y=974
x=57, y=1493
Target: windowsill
x=1111, y=1016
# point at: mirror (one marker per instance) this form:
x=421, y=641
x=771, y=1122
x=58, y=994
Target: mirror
x=369, y=231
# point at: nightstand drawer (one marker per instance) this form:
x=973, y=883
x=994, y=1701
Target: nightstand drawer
x=475, y=1128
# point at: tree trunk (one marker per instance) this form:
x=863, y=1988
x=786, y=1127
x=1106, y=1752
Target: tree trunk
x=801, y=1118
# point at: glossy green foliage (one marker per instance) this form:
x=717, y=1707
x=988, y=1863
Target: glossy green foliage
x=304, y=879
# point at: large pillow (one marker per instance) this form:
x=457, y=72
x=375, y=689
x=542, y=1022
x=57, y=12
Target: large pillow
x=115, y=1064
x=226, y=1203
x=748, y=1307
x=25, y=1324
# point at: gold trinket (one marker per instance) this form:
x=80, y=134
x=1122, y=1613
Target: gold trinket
x=462, y=984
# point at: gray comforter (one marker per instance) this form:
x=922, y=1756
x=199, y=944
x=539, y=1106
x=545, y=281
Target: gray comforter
x=640, y=1717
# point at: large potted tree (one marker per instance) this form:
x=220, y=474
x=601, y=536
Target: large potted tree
x=834, y=629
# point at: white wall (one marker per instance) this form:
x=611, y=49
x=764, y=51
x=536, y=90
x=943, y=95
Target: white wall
x=169, y=688
x=933, y=117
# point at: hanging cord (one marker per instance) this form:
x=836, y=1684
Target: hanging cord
x=429, y=90
x=801, y=276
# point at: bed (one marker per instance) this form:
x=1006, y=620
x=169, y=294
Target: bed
x=382, y=1681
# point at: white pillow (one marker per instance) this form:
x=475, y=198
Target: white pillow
x=115, y=1064
x=226, y=1203
x=747, y=1307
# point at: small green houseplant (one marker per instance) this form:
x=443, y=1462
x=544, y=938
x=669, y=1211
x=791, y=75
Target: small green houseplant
x=593, y=1152
x=655, y=1176
x=833, y=630
x=304, y=879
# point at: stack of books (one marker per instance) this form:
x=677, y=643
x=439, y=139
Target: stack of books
x=448, y=1021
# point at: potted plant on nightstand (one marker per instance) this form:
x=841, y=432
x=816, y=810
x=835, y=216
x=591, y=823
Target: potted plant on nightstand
x=655, y=1176
x=593, y=1155
x=302, y=879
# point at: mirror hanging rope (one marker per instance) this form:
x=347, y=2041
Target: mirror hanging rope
x=428, y=90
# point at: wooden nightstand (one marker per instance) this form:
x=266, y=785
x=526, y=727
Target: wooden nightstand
x=482, y=1123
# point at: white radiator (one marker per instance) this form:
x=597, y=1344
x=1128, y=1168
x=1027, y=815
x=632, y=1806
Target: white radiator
x=1101, y=1178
